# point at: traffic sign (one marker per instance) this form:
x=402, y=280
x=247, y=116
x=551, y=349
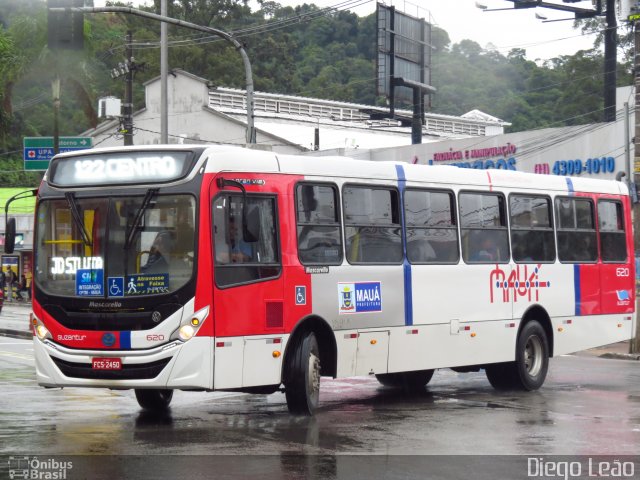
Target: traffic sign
x=38, y=151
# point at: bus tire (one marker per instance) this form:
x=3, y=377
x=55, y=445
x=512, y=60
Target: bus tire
x=302, y=388
x=529, y=371
x=532, y=356
x=501, y=375
x=409, y=381
x=156, y=400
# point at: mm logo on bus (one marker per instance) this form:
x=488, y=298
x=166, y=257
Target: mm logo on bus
x=360, y=297
x=522, y=281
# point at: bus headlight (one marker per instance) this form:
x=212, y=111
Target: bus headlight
x=190, y=325
x=186, y=332
x=42, y=332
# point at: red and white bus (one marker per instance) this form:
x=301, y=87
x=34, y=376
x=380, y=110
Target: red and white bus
x=221, y=268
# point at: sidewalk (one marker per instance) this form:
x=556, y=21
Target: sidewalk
x=618, y=351
x=14, y=322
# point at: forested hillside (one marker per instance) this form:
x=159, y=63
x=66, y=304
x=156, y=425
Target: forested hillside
x=301, y=51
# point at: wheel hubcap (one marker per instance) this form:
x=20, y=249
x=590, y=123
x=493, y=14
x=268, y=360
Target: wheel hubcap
x=533, y=355
x=314, y=374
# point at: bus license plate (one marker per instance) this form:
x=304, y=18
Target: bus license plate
x=106, y=364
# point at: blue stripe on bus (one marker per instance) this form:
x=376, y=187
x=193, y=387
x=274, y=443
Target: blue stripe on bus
x=576, y=268
x=406, y=266
x=570, y=185
x=125, y=340
x=576, y=288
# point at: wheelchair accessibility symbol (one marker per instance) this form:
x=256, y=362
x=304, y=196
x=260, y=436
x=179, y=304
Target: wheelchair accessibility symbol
x=301, y=295
x=116, y=286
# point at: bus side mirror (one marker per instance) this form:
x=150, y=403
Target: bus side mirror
x=10, y=236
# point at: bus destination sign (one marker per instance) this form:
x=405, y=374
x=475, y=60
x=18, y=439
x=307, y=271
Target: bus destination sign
x=120, y=168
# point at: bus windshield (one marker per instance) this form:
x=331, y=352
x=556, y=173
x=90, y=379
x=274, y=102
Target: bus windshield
x=115, y=247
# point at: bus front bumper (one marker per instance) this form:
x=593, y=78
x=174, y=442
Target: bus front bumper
x=182, y=365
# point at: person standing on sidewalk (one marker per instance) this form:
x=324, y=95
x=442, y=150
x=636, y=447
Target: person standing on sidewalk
x=12, y=282
x=2, y=284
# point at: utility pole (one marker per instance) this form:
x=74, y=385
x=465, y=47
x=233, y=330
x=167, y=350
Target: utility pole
x=634, y=345
x=164, y=73
x=127, y=119
x=610, y=62
x=610, y=39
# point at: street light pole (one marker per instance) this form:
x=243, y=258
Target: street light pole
x=251, y=132
x=634, y=346
x=164, y=73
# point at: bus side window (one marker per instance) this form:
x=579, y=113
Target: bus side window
x=532, y=238
x=483, y=226
x=613, y=240
x=238, y=261
x=432, y=235
x=373, y=232
x=576, y=232
x=318, y=224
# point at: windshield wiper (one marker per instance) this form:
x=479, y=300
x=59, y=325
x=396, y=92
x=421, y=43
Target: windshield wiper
x=131, y=232
x=77, y=219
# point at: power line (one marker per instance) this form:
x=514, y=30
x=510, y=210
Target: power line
x=261, y=28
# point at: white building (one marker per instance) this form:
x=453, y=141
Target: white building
x=597, y=150
x=287, y=124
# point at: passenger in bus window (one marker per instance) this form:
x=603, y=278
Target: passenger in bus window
x=487, y=251
x=157, y=262
x=238, y=251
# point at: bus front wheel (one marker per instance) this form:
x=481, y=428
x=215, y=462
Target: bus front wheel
x=529, y=371
x=409, y=381
x=157, y=400
x=302, y=387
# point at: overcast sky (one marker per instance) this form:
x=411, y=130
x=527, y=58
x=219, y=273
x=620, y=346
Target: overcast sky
x=463, y=20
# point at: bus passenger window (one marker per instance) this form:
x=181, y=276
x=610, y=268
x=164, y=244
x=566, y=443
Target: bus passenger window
x=373, y=232
x=432, y=235
x=532, y=238
x=483, y=223
x=576, y=233
x=613, y=240
x=318, y=223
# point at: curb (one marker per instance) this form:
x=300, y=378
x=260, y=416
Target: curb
x=7, y=332
x=621, y=356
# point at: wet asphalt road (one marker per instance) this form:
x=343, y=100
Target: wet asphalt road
x=588, y=406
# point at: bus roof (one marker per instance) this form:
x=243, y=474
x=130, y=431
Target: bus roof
x=231, y=158
x=238, y=159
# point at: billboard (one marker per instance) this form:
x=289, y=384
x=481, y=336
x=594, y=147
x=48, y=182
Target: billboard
x=404, y=55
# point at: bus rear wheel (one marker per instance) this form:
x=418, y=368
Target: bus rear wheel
x=529, y=371
x=156, y=400
x=302, y=387
x=409, y=381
